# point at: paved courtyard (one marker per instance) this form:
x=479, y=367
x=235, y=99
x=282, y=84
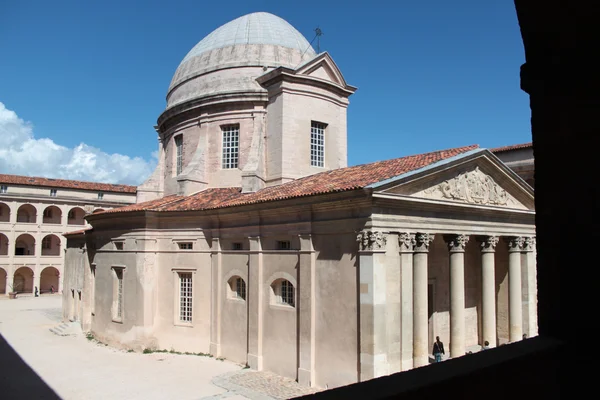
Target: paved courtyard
x=77, y=368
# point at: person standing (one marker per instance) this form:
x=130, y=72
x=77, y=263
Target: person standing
x=438, y=349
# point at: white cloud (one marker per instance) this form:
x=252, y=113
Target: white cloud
x=22, y=154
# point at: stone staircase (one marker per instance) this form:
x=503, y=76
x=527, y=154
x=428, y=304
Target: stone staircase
x=67, y=329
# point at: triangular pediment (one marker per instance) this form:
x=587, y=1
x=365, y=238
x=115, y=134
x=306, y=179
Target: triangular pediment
x=480, y=181
x=322, y=67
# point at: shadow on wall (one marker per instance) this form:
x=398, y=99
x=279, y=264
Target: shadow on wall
x=18, y=380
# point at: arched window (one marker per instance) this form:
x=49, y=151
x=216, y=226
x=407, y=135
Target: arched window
x=237, y=288
x=283, y=292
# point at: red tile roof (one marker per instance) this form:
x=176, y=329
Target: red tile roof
x=79, y=232
x=337, y=180
x=512, y=147
x=64, y=183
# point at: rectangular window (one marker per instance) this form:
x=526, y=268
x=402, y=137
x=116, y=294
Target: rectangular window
x=317, y=144
x=236, y=246
x=118, y=245
x=3, y=189
x=186, y=245
x=100, y=196
x=231, y=141
x=93, y=289
x=185, y=297
x=118, y=294
x=179, y=153
x=287, y=293
x=284, y=245
x=52, y=192
x=46, y=242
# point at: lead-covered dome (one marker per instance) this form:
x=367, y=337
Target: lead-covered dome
x=230, y=58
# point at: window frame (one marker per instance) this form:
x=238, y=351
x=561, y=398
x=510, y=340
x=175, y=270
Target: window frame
x=284, y=245
x=53, y=192
x=177, y=296
x=230, y=146
x=317, y=144
x=119, y=244
x=277, y=294
x=100, y=196
x=185, y=245
x=93, y=289
x=3, y=189
x=178, y=154
x=236, y=291
x=237, y=246
x=118, y=295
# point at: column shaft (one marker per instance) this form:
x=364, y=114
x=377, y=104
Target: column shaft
x=456, y=247
x=215, y=301
x=488, y=297
x=372, y=307
x=420, y=320
x=515, y=315
x=457, y=304
x=255, y=304
x=406, y=241
x=420, y=317
x=488, y=289
x=306, y=310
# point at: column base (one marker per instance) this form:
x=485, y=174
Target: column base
x=305, y=377
x=373, y=366
x=255, y=362
x=407, y=364
x=215, y=349
x=420, y=361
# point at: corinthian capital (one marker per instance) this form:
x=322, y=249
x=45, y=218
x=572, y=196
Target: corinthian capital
x=515, y=243
x=456, y=243
x=407, y=242
x=529, y=243
x=422, y=242
x=371, y=240
x=488, y=243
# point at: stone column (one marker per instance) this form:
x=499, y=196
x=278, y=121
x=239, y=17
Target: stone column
x=255, y=304
x=216, y=297
x=407, y=243
x=373, y=322
x=36, y=280
x=456, y=248
x=420, y=318
x=528, y=274
x=306, y=311
x=488, y=289
x=515, y=315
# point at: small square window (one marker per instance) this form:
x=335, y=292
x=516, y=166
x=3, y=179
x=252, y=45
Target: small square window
x=186, y=245
x=118, y=245
x=284, y=245
x=3, y=189
x=100, y=196
x=53, y=192
x=236, y=246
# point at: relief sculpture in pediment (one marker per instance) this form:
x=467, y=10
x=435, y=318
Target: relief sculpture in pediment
x=473, y=187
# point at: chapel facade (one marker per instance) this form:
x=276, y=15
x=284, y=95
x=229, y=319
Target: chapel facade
x=255, y=242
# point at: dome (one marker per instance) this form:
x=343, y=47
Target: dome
x=254, y=40
x=256, y=28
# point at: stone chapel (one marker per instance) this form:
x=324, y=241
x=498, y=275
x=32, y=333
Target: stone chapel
x=254, y=241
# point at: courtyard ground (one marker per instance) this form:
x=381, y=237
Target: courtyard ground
x=78, y=368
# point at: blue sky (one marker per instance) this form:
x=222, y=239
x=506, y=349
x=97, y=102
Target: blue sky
x=83, y=82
